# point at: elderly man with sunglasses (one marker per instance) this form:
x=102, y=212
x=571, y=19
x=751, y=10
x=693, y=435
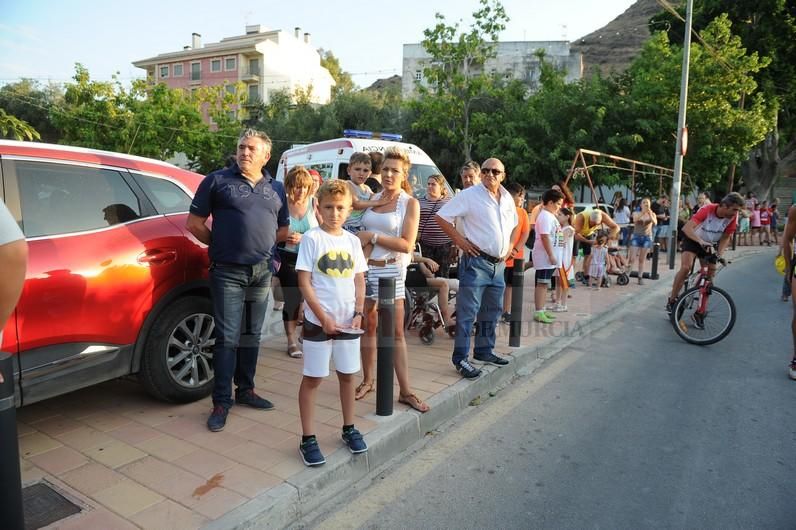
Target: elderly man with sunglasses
x=488, y=217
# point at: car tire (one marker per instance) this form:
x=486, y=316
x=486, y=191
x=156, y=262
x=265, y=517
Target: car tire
x=177, y=362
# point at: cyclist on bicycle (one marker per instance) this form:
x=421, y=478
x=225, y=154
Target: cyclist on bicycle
x=712, y=225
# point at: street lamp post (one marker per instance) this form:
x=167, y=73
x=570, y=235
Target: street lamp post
x=682, y=137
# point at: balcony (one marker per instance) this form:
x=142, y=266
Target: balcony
x=250, y=75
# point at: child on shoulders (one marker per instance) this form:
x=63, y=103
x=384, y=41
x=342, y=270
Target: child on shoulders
x=359, y=166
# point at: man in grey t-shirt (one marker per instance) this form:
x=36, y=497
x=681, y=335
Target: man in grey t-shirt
x=13, y=262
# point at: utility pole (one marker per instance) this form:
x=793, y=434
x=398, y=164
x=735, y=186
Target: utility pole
x=682, y=138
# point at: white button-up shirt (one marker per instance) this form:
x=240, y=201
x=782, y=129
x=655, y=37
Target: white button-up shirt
x=486, y=221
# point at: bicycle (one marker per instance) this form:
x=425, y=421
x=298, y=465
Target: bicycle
x=703, y=314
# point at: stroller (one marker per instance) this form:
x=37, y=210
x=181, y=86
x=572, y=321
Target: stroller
x=421, y=307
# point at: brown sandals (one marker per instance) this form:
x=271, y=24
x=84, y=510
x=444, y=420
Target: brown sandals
x=364, y=389
x=413, y=401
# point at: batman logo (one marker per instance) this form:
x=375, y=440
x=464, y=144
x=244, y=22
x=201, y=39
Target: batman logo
x=337, y=264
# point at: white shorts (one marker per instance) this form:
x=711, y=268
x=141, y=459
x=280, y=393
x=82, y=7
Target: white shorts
x=319, y=349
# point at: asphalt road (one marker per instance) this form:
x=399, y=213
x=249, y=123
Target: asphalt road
x=628, y=428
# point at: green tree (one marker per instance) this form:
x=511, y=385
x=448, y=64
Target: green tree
x=722, y=74
x=30, y=101
x=13, y=127
x=457, y=84
x=343, y=82
x=767, y=27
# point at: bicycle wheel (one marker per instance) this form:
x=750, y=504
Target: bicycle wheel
x=707, y=328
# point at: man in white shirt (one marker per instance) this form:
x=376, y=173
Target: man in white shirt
x=487, y=217
x=13, y=262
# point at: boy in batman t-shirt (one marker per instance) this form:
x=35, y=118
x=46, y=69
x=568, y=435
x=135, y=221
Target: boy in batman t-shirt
x=331, y=275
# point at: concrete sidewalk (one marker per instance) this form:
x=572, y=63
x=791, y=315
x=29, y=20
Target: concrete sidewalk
x=131, y=462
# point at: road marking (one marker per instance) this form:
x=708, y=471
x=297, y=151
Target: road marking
x=408, y=473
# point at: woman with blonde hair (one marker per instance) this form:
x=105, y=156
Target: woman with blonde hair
x=299, y=184
x=390, y=230
x=644, y=222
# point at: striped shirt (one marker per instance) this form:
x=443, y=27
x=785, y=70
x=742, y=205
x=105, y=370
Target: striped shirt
x=428, y=230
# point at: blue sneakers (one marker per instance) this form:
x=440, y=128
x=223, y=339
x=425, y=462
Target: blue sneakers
x=353, y=439
x=311, y=453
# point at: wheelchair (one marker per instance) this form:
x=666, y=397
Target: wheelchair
x=421, y=307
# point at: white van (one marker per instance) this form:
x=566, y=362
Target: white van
x=330, y=157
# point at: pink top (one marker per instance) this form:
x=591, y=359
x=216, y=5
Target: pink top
x=754, y=219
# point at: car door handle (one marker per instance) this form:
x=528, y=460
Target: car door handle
x=158, y=256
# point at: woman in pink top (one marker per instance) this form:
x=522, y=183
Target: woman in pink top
x=754, y=222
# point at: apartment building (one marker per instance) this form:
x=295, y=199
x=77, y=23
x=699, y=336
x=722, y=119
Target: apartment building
x=513, y=60
x=263, y=60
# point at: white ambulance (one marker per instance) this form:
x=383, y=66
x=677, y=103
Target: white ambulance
x=330, y=157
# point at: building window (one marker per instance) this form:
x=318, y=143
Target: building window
x=254, y=67
x=196, y=71
x=215, y=65
x=232, y=114
x=418, y=75
x=178, y=70
x=254, y=93
x=164, y=72
x=229, y=63
x=230, y=89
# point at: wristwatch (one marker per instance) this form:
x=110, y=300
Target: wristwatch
x=359, y=314
x=374, y=238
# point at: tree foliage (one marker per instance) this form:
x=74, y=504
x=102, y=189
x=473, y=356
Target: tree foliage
x=344, y=84
x=29, y=101
x=457, y=85
x=13, y=127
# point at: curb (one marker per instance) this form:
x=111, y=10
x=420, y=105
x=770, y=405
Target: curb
x=306, y=492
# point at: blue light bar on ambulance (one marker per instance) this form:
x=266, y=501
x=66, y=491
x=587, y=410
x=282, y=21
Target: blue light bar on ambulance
x=367, y=135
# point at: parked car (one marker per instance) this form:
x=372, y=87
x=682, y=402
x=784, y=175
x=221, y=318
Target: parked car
x=115, y=284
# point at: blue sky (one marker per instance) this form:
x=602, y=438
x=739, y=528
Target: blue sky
x=44, y=39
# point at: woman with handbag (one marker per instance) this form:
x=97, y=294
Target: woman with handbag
x=434, y=243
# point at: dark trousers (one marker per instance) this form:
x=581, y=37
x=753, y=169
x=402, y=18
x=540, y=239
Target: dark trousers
x=240, y=295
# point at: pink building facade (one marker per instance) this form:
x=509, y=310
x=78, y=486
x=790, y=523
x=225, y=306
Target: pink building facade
x=259, y=61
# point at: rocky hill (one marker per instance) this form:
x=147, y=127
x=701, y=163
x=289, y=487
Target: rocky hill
x=614, y=46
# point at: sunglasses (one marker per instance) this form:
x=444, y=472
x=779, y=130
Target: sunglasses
x=491, y=171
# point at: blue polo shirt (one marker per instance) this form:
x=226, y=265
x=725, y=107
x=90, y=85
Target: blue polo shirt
x=245, y=217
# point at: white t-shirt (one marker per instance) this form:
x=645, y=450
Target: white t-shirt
x=546, y=224
x=9, y=231
x=333, y=262
x=486, y=222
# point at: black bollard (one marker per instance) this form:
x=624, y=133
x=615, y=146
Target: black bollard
x=517, y=282
x=10, y=481
x=656, y=248
x=734, y=239
x=385, y=347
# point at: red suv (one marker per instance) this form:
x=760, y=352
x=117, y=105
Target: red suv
x=115, y=284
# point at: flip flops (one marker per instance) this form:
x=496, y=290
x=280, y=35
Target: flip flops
x=413, y=401
x=364, y=389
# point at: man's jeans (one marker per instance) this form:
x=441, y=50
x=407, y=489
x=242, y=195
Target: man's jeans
x=480, y=294
x=240, y=295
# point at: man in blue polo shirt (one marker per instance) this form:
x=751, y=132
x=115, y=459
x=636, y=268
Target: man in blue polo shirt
x=250, y=215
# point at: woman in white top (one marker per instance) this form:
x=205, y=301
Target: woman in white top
x=391, y=230
x=622, y=218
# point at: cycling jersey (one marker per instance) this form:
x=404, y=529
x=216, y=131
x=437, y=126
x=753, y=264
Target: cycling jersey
x=710, y=227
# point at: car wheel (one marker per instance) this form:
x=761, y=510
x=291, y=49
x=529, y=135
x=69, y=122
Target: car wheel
x=177, y=364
